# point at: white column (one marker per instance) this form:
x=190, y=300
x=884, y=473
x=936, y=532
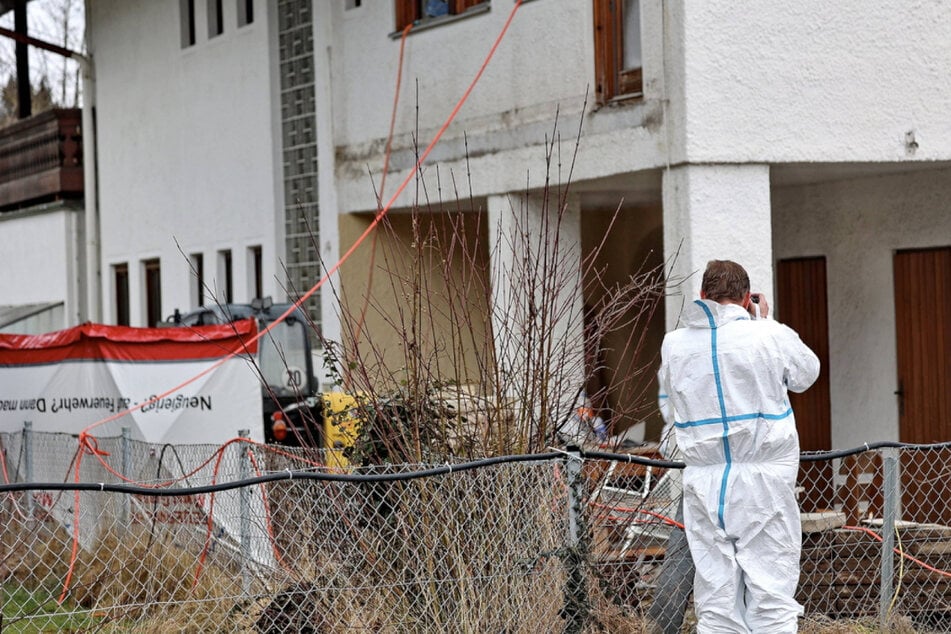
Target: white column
x=537, y=307
x=75, y=300
x=329, y=230
x=715, y=212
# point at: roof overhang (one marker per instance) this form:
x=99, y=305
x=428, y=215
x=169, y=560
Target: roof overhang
x=10, y=315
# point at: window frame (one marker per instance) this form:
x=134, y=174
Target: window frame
x=408, y=12
x=612, y=81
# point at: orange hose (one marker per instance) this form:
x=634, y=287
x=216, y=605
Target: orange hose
x=869, y=531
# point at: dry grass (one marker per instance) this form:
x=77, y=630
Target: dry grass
x=131, y=575
x=132, y=581
x=825, y=625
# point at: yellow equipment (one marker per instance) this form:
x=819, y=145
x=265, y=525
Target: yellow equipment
x=341, y=426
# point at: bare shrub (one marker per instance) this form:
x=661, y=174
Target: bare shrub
x=470, y=340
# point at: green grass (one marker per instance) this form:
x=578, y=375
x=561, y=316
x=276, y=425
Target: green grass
x=37, y=611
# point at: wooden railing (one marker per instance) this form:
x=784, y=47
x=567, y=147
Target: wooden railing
x=41, y=159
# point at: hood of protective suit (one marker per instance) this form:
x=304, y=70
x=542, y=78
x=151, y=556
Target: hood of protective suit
x=695, y=317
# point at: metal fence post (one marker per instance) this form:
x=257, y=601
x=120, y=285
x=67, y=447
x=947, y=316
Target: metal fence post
x=125, y=508
x=889, y=517
x=28, y=464
x=575, y=611
x=244, y=471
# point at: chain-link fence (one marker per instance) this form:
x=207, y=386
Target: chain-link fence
x=119, y=535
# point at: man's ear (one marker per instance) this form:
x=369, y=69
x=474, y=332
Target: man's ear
x=746, y=300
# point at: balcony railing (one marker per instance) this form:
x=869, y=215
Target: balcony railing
x=41, y=159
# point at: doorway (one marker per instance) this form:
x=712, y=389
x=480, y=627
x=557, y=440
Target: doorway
x=801, y=298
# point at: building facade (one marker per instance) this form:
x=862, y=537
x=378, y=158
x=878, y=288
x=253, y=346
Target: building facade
x=806, y=141
x=239, y=141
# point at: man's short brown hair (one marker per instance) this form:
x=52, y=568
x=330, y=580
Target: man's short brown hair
x=725, y=279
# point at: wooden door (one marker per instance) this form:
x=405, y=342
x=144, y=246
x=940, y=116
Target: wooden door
x=923, y=340
x=801, y=299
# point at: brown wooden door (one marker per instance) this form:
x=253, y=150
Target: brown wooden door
x=801, y=298
x=923, y=337
x=923, y=340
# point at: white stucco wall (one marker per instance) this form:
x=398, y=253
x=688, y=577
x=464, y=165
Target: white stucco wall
x=41, y=259
x=814, y=80
x=738, y=82
x=540, y=74
x=441, y=61
x=715, y=212
x=185, y=145
x=857, y=225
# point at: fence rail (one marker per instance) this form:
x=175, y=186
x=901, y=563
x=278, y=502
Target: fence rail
x=124, y=535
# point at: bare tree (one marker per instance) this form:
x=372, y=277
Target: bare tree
x=60, y=22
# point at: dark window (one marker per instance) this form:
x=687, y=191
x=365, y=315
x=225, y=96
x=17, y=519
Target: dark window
x=245, y=12
x=153, y=292
x=187, y=13
x=198, y=279
x=409, y=11
x=257, y=277
x=120, y=276
x=225, y=273
x=216, y=20
x=617, y=49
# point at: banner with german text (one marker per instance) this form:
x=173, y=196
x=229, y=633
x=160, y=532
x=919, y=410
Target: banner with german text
x=67, y=380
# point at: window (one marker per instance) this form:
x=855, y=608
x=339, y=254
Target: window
x=410, y=11
x=225, y=294
x=617, y=49
x=256, y=281
x=120, y=277
x=245, y=12
x=216, y=19
x=197, y=279
x=186, y=9
x=153, y=292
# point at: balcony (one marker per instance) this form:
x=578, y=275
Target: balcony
x=41, y=159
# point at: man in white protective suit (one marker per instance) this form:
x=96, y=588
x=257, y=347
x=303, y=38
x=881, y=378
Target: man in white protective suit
x=726, y=373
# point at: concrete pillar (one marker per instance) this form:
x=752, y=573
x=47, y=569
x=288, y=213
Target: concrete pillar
x=715, y=212
x=537, y=307
x=329, y=230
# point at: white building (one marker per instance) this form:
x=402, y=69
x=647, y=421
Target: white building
x=808, y=141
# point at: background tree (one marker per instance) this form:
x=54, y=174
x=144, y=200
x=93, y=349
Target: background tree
x=56, y=81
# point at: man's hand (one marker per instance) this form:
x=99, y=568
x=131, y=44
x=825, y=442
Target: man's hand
x=758, y=299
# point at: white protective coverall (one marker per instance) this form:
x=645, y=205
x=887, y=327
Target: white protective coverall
x=726, y=376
